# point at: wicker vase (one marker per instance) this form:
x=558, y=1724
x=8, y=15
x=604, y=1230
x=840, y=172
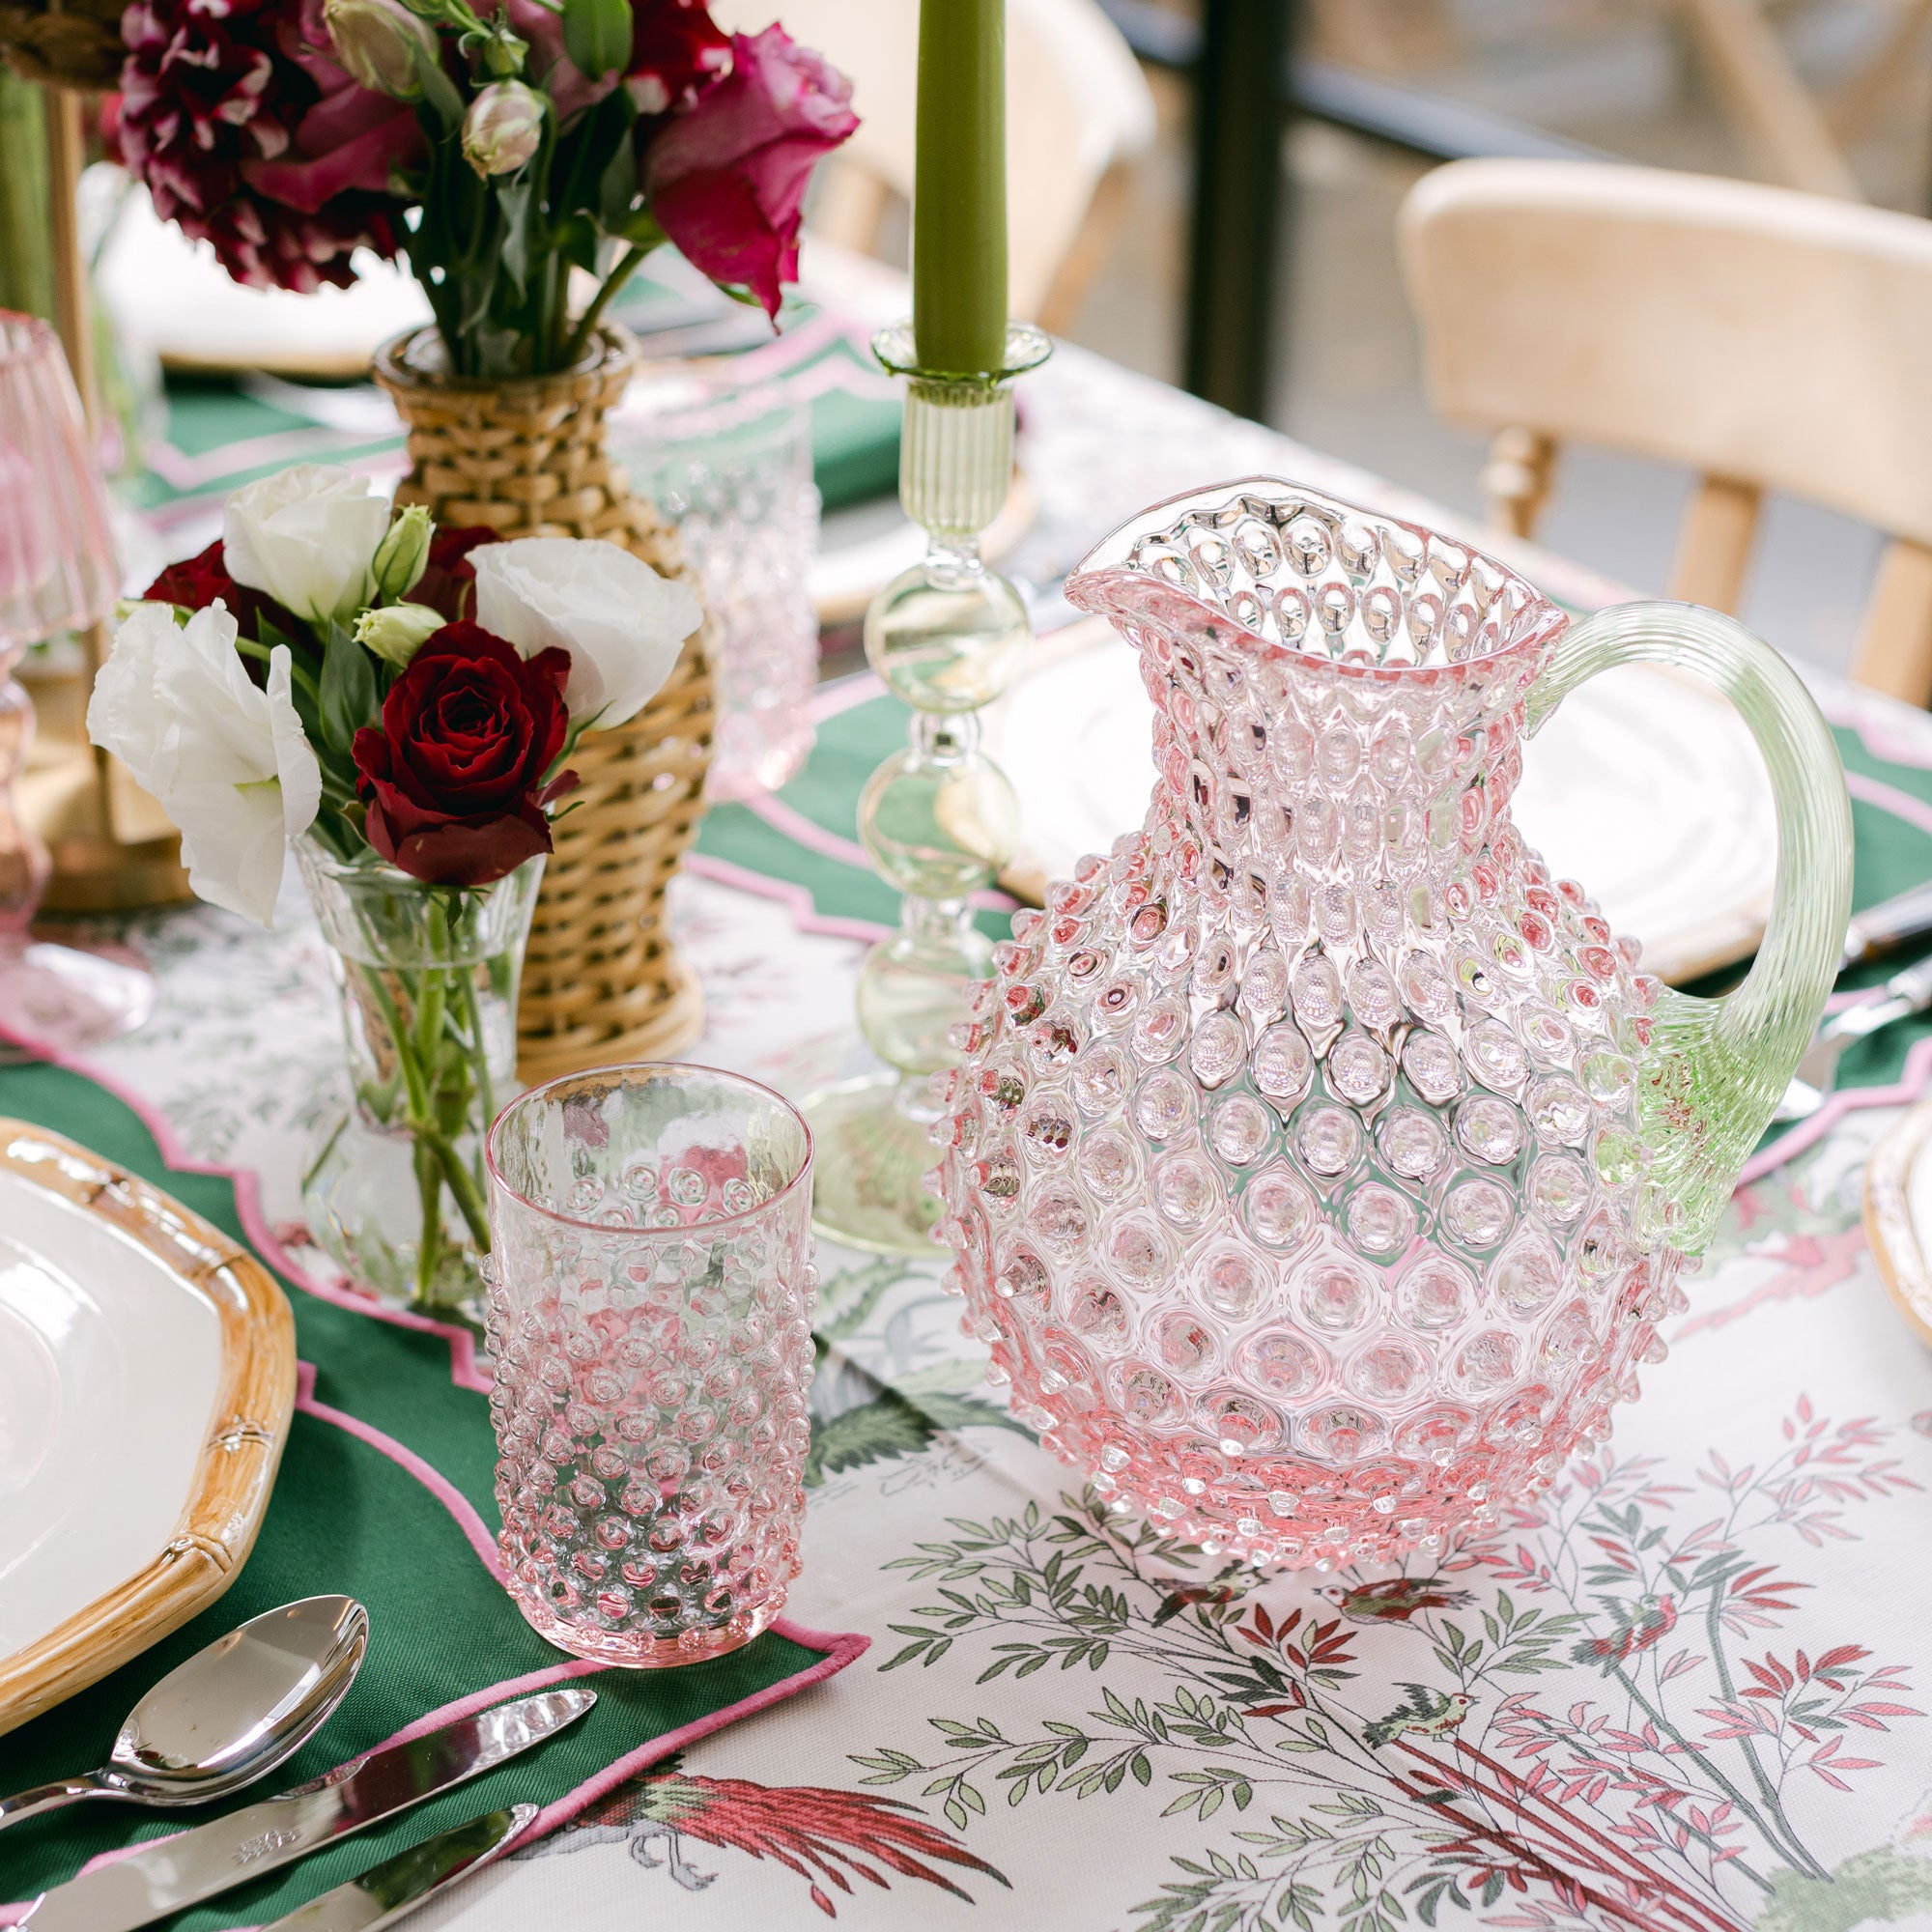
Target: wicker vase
x=602, y=981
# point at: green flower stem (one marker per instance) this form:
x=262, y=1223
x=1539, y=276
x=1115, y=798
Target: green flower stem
x=429, y=1190
x=479, y=1062
x=462, y=1185
x=619, y=275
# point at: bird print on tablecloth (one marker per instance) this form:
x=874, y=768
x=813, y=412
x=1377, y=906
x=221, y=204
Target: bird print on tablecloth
x=1634, y=1627
x=820, y=1834
x=1423, y=1713
x=1394, y=1600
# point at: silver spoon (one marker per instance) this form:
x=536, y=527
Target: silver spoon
x=229, y=1715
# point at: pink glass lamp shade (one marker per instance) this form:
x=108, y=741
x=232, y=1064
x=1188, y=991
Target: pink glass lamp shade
x=57, y=564
x=57, y=573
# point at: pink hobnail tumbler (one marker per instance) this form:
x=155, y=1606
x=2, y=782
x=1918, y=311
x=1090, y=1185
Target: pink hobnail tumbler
x=650, y=1293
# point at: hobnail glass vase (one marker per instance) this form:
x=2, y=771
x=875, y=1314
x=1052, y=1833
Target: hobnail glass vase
x=1321, y=1167
x=428, y=979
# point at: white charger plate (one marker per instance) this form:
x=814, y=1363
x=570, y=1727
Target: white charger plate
x=147, y=1377
x=1645, y=784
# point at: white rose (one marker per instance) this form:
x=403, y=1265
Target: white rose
x=307, y=536
x=228, y=763
x=622, y=623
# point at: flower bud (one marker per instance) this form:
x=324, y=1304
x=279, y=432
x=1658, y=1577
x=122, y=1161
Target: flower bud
x=379, y=42
x=503, y=127
x=397, y=632
x=403, y=553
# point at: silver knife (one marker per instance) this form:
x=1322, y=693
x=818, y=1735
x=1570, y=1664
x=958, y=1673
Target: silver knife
x=384, y=1893
x=169, y=1873
x=1879, y=928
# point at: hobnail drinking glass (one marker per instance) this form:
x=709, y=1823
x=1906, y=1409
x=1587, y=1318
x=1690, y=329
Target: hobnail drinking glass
x=1321, y=1167
x=732, y=468
x=651, y=1294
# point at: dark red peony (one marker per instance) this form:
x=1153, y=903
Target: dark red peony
x=726, y=179
x=445, y=583
x=196, y=582
x=454, y=780
x=250, y=137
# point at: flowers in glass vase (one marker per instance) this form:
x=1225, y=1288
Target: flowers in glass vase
x=398, y=703
x=501, y=145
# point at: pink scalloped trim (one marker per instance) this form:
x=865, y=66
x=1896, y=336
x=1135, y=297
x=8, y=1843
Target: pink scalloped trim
x=1911, y=1086
x=468, y=1521
x=805, y=914
x=463, y=1369
x=1857, y=712
x=846, y=695
x=1901, y=805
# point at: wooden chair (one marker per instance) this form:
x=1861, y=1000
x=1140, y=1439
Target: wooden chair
x=1769, y=340
x=1079, y=115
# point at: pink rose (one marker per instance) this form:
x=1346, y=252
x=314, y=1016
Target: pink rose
x=726, y=179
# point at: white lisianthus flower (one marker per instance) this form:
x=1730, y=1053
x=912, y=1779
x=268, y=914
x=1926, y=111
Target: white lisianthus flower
x=622, y=623
x=308, y=536
x=229, y=763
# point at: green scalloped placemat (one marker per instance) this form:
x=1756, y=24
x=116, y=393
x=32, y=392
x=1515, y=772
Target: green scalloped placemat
x=345, y=1516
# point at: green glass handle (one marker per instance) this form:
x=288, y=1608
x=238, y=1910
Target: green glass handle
x=1715, y=1068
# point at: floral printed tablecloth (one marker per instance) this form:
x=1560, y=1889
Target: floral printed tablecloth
x=1685, y=1690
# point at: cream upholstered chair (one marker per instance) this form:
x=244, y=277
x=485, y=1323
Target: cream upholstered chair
x=1769, y=340
x=1079, y=114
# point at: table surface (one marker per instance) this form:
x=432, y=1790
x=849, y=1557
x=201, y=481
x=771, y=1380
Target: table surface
x=1686, y=1689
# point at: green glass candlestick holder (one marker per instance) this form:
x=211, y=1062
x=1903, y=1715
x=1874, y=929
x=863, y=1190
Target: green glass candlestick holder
x=938, y=819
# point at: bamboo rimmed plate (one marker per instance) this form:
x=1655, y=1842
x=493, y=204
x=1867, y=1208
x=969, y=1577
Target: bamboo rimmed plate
x=1645, y=784
x=1898, y=1214
x=147, y=1377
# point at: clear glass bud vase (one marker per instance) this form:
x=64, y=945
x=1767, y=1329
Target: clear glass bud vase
x=428, y=978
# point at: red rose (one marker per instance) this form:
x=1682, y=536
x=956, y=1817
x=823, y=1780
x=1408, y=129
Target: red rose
x=454, y=779
x=196, y=582
x=726, y=179
x=677, y=49
x=444, y=585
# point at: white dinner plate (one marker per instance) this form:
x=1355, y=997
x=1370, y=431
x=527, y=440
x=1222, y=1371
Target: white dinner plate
x=1898, y=1215
x=1645, y=785
x=146, y=1376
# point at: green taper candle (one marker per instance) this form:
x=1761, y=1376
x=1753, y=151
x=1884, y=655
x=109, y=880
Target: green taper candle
x=959, y=190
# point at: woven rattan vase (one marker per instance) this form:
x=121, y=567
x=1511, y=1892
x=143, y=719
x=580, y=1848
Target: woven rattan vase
x=602, y=981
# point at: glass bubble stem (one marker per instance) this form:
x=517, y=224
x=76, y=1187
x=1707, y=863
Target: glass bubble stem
x=938, y=819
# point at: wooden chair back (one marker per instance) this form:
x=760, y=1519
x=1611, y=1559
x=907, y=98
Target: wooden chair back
x=1079, y=114
x=1769, y=340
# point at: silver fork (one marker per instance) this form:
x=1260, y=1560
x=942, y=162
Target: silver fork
x=1904, y=994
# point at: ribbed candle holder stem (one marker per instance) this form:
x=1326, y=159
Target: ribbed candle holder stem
x=938, y=819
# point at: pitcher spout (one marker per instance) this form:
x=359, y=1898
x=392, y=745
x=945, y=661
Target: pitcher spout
x=1334, y=693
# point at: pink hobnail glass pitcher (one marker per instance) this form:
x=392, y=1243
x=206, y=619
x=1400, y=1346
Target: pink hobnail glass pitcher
x=1321, y=1168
